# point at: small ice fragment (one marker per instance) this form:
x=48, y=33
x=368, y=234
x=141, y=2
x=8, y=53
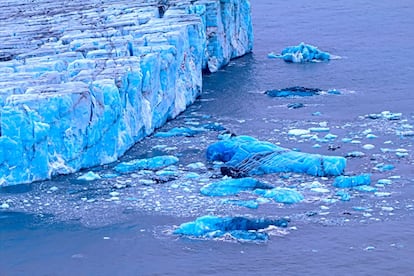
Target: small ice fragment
x=197, y=166
x=54, y=189
x=355, y=154
x=89, y=176
x=387, y=208
x=368, y=146
x=320, y=190
x=319, y=129
x=365, y=188
x=371, y=136
x=384, y=181
x=298, y=132
x=192, y=175
x=382, y=194
x=5, y=206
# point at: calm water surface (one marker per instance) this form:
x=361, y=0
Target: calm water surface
x=375, y=41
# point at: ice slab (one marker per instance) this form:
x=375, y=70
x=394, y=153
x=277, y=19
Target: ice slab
x=245, y=155
x=239, y=228
x=352, y=181
x=233, y=186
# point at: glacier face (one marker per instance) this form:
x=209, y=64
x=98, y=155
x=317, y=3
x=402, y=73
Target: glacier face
x=93, y=79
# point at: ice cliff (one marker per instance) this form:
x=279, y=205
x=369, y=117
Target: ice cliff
x=81, y=83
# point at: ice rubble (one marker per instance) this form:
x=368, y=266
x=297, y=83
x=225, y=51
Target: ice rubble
x=81, y=92
x=245, y=155
x=302, y=53
x=240, y=228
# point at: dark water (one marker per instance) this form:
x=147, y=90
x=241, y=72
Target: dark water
x=375, y=74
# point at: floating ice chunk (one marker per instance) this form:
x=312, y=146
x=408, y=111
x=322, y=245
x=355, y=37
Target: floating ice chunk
x=242, y=228
x=352, y=181
x=385, y=115
x=4, y=205
x=179, y=131
x=330, y=136
x=365, y=188
x=368, y=146
x=384, y=167
x=319, y=129
x=153, y=163
x=303, y=53
x=355, y=154
x=384, y=181
x=272, y=55
x=371, y=136
x=344, y=196
x=320, y=190
x=387, y=208
x=245, y=155
x=382, y=194
x=295, y=91
x=89, y=176
x=192, y=175
x=197, y=166
x=281, y=195
x=252, y=204
x=298, y=132
x=233, y=186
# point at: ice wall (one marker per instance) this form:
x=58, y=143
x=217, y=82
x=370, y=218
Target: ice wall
x=80, y=83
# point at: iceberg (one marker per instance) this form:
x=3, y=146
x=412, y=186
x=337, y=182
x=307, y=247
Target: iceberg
x=303, y=53
x=352, y=181
x=239, y=228
x=246, y=156
x=74, y=96
x=233, y=186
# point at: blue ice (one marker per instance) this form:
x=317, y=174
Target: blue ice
x=241, y=228
x=232, y=186
x=245, y=155
x=352, y=181
x=303, y=53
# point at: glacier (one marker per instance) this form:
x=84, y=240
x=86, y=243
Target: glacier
x=82, y=84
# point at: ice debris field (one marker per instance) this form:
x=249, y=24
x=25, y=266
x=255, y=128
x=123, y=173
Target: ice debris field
x=81, y=83
x=339, y=181
x=135, y=65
